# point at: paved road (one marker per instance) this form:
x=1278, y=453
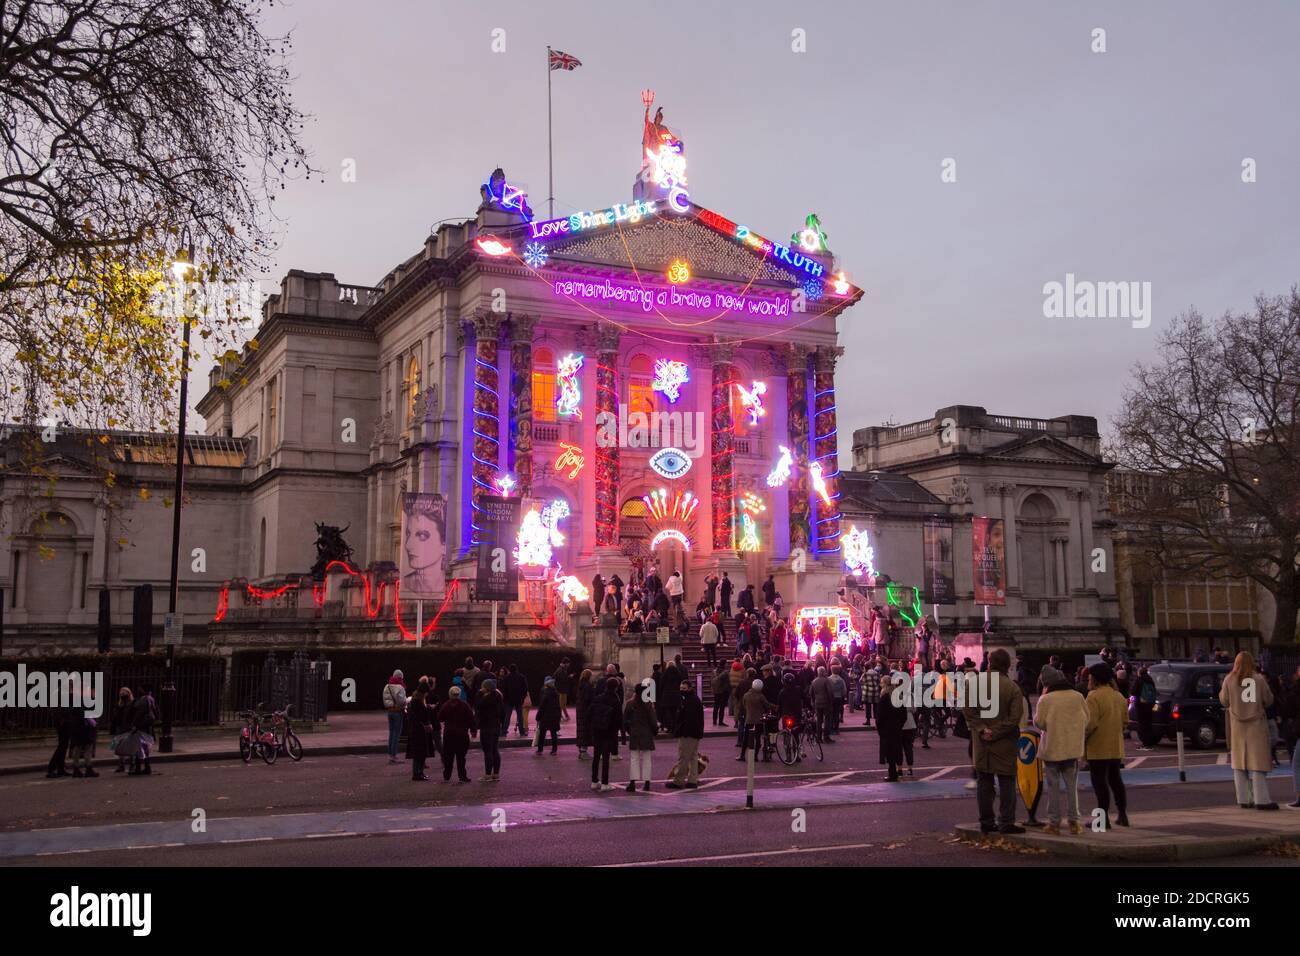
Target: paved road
x=357, y=810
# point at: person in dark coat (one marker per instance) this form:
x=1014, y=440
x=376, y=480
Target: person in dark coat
x=564, y=686
x=419, y=722
x=514, y=692
x=769, y=591
x=120, y=722
x=64, y=723
x=606, y=721
x=689, y=731
x=144, y=712
x=641, y=724
x=548, y=716
x=457, y=719
x=711, y=591
x=582, y=713
x=889, y=724
x=669, y=696
x=746, y=600
x=725, y=588
x=490, y=711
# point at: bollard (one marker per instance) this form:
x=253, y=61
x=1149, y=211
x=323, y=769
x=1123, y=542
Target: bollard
x=750, y=754
x=1182, y=767
x=699, y=686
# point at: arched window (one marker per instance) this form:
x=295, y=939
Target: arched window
x=411, y=385
x=543, y=385
x=640, y=386
x=1037, y=550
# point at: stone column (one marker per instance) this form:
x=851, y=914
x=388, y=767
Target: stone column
x=722, y=463
x=1058, y=556
x=796, y=393
x=487, y=411
x=1085, y=517
x=825, y=447
x=1013, y=546
x=520, y=461
x=1074, y=560
x=607, y=484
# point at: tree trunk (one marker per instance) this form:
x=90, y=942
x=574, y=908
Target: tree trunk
x=1284, y=621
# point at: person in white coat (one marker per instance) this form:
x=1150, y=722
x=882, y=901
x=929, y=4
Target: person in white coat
x=1062, y=716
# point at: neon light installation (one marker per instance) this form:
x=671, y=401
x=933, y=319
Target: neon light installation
x=670, y=463
x=912, y=615
x=837, y=618
x=751, y=503
x=536, y=541
x=679, y=272
x=493, y=246
x=629, y=212
x=552, y=514
x=648, y=298
x=670, y=534
x=535, y=255
x=752, y=399
x=505, y=485
x=796, y=260
x=508, y=197
x=682, y=509
x=569, y=401
x=819, y=481
x=779, y=475
x=571, y=458
x=670, y=376
x=571, y=591
x=859, y=555
x=813, y=290
x=841, y=284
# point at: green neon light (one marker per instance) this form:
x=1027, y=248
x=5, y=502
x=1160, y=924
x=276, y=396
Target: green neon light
x=891, y=593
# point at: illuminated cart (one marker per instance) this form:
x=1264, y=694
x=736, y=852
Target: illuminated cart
x=809, y=620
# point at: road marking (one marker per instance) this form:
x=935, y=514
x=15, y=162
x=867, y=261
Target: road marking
x=937, y=774
x=1136, y=762
x=742, y=856
x=833, y=778
x=249, y=840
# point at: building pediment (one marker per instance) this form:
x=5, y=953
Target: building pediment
x=1042, y=448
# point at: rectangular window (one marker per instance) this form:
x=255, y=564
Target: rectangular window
x=543, y=396
x=1143, y=604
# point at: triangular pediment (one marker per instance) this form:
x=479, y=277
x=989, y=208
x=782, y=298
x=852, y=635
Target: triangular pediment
x=1042, y=448
x=654, y=244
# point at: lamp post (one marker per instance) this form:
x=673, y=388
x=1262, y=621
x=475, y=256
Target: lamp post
x=181, y=267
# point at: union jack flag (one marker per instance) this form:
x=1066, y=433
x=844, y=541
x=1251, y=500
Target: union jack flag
x=563, y=61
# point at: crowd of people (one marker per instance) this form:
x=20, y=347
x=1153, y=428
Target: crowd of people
x=131, y=730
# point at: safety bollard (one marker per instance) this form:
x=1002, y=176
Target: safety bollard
x=1182, y=767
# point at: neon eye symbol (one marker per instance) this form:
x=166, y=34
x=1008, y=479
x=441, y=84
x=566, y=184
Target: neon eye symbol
x=670, y=462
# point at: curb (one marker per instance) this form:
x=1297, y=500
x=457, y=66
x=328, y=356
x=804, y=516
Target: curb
x=337, y=750
x=1149, y=848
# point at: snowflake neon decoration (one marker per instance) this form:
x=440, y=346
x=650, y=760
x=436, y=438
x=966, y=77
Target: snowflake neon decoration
x=812, y=289
x=670, y=376
x=535, y=255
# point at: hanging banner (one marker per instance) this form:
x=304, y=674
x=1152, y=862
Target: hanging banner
x=498, y=522
x=936, y=542
x=424, y=537
x=989, y=560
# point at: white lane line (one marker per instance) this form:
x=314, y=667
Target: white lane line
x=937, y=774
x=249, y=840
x=833, y=778
x=411, y=830
x=1136, y=762
x=326, y=836
x=742, y=856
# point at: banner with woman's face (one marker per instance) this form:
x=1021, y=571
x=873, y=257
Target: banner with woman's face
x=424, y=536
x=989, y=560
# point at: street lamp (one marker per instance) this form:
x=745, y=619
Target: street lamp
x=182, y=265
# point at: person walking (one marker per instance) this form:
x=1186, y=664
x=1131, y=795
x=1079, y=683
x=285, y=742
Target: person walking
x=1144, y=692
x=675, y=588
x=641, y=724
x=1245, y=695
x=606, y=720
x=1107, y=717
x=721, y=687
x=515, y=692
x=491, y=714
x=582, y=701
x=754, y=707
x=709, y=642
x=907, y=733
x=839, y=694
x=668, y=697
x=994, y=741
x=419, y=736
x=769, y=592
x=457, y=719
x=689, y=732
x=394, y=698
x=870, y=691
x=564, y=686
x=1062, y=717
x=548, y=717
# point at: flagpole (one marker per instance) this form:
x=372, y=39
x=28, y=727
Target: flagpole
x=550, y=154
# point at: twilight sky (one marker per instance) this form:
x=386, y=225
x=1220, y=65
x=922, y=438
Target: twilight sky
x=1116, y=166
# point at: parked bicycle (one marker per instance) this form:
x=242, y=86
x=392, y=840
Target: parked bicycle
x=285, y=739
x=799, y=739
x=254, y=740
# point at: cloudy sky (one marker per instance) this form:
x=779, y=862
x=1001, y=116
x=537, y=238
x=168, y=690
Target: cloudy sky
x=1117, y=166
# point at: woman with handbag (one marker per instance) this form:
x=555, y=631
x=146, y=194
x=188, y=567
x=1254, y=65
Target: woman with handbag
x=120, y=725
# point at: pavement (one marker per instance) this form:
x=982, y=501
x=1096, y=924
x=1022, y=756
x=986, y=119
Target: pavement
x=1163, y=836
